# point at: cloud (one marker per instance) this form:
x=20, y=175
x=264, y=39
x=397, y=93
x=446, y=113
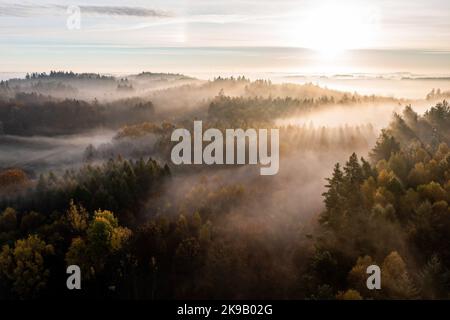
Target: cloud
x=18, y=10
x=124, y=11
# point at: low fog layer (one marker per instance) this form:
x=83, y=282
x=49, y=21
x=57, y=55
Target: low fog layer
x=39, y=154
x=179, y=99
x=376, y=115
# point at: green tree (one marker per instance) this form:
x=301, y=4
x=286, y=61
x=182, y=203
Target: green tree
x=434, y=279
x=384, y=147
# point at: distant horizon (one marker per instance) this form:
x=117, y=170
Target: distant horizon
x=219, y=60
x=404, y=75
x=402, y=85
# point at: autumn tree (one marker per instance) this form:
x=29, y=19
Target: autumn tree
x=24, y=266
x=102, y=238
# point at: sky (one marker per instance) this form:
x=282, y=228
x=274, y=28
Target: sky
x=112, y=35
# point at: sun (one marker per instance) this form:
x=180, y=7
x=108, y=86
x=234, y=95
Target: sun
x=331, y=29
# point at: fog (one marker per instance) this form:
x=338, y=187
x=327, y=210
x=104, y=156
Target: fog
x=312, y=141
x=319, y=137
x=38, y=154
x=91, y=132
x=398, y=85
x=376, y=115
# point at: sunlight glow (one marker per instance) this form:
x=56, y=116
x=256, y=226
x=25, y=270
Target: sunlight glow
x=331, y=29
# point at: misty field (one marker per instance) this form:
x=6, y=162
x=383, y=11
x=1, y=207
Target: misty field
x=86, y=179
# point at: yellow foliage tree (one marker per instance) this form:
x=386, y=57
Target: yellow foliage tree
x=24, y=266
x=395, y=279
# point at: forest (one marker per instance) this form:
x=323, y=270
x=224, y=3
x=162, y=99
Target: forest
x=86, y=179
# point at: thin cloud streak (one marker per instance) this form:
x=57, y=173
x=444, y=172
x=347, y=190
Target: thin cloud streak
x=19, y=10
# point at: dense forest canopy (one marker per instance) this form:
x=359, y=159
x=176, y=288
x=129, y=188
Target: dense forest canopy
x=140, y=227
x=393, y=205
x=396, y=210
